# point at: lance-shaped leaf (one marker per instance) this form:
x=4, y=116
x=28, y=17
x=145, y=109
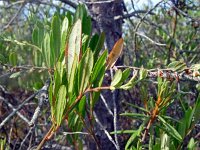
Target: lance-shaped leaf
x=64, y=30
x=143, y=74
x=38, y=34
x=84, y=70
x=135, y=135
x=60, y=104
x=131, y=82
x=125, y=75
x=55, y=35
x=117, y=78
x=98, y=66
x=115, y=53
x=99, y=45
x=46, y=51
x=170, y=129
x=177, y=66
x=74, y=46
x=71, y=81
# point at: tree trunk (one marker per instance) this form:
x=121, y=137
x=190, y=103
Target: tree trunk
x=103, y=21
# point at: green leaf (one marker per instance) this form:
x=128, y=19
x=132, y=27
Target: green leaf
x=71, y=81
x=38, y=34
x=116, y=79
x=64, y=31
x=135, y=115
x=177, y=66
x=81, y=106
x=13, y=59
x=74, y=46
x=85, y=41
x=60, y=103
x=46, y=51
x=55, y=35
x=85, y=70
x=99, y=45
x=125, y=74
x=131, y=82
x=133, y=137
x=165, y=141
x=143, y=74
x=81, y=13
x=93, y=42
x=196, y=110
x=140, y=108
x=123, y=132
x=170, y=129
x=98, y=65
x=15, y=75
x=189, y=116
x=192, y=144
x=97, y=83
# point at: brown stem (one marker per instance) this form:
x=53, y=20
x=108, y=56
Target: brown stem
x=153, y=117
x=49, y=133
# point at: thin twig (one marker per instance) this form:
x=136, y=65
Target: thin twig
x=13, y=109
x=114, y=98
x=15, y=16
x=42, y=98
x=138, y=25
x=12, y=4
x=105, y=131
x=154, y=42
x=70, y=3
x=100, y=2
x=132, y=14
x=105, y=103
x=18, y=108
x=27, y=135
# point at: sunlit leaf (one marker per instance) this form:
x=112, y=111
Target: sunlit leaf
x=56, y=35
x=133, y=137
x=74, y=46
x=143, y=74
x=85, y=69
x=15, y=75
x=131, y=82
x=60, y=103
x=116, y=79
x=170, y=129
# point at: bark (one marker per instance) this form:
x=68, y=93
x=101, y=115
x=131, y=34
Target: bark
x=103, y=20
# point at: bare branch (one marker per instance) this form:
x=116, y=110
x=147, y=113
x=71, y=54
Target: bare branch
x=129, y=15
x=15, y=16
x=105, y=103
x=101, y=2
x=156, y=43
x=13, y=109
x=19, y=107
x=70, y=3
x=105, y=131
